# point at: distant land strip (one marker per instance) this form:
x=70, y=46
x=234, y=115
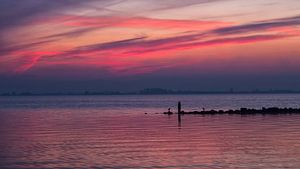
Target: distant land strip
x=149, y=91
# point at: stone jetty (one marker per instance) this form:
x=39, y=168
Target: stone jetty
x=242, y=111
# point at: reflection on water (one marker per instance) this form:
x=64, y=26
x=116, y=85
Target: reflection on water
x=108, y=137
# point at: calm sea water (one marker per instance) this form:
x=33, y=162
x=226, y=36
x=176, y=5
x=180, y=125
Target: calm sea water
x=114, y=132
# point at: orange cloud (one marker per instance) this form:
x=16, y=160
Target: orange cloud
x=136, y=22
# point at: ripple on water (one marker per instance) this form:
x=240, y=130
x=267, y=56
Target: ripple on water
x=114, y=138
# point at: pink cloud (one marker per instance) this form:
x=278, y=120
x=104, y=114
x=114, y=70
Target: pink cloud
x=135, y=22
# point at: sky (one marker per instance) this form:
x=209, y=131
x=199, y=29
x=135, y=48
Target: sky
x=128, y=45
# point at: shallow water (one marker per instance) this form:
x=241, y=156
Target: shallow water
x=115, y=132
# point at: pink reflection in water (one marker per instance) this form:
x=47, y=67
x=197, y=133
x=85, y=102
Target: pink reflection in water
x=86, y=138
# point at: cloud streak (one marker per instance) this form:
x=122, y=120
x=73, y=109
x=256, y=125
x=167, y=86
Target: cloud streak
x=145, y=46
x=135, y=22
x=259, y=26
x=5, y=50
x=14, y=13
x=70, y=34
x=175, y=4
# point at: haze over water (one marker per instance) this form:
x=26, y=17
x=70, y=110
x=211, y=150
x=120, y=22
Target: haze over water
x=114, y=132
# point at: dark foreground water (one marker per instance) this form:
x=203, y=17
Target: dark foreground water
x=114, y=132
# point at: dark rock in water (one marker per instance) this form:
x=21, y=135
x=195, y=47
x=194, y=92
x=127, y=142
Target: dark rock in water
x=245, y=111
x=169, y=113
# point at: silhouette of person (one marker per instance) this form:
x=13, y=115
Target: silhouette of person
x=169, y=110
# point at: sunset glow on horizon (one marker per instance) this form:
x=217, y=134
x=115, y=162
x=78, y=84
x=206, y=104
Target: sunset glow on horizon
x=128, y=38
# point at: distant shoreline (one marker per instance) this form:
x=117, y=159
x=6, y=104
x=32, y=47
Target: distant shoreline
x=148, y=93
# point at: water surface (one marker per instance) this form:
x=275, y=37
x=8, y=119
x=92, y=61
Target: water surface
x=114, y=132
